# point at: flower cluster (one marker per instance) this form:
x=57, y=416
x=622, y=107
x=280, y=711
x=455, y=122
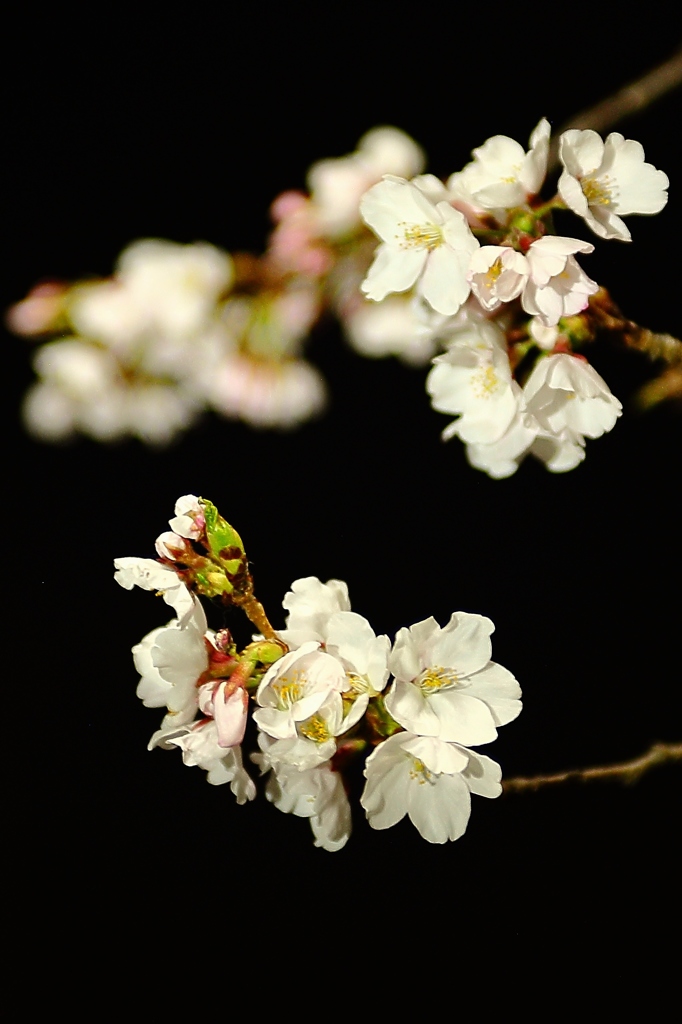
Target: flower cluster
x=326, y=692
x=468, y=273
x=506, y=296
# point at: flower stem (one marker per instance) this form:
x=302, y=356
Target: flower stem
x=256, y=612
x=626, y=771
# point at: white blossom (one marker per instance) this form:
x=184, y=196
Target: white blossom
x=565, y=393
x=421, y=242
x=310, y=604
x=295, y=687
x=171, y=661
x=317, y=794
x=445, y=683
x=473, y=378
x=429, y=780
x=497, y=274
x=501, y=458
x=502, y=174
x=603, y=181
x=557, y=285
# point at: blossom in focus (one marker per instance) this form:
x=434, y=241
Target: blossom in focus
x=473, y=378
x=429, y=780
x=317, y=794
x=501, y=458
x=557, y=286
x=310, y=604
x=502, y=174
x=497, y=274
x=445, y=683
x=603, y=181
x=295, y=687
x=565, y=393
x=420, y=242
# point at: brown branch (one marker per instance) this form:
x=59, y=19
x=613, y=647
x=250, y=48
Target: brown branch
x=627, y=771
x=629, y=100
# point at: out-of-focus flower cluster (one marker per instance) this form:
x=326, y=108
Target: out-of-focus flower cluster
x=326, y=692
x=468, y=273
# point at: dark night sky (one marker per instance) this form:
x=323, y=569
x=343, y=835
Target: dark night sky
x=186, y=131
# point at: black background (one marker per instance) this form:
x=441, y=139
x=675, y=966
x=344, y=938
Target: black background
x=186, y=129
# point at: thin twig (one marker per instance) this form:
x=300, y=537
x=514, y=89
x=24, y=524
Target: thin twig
x=627, y=771
x=629, y=100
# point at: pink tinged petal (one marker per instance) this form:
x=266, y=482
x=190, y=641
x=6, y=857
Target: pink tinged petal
x=230, y=713
x=548, y=305
x=393, y=270
x=464, y=644
x=483, y=775
x=444, y=282
x=407, y=704
x=440, y=810
x=438, y=757
x=462, y=719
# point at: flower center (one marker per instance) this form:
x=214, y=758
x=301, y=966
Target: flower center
x=360, y=684
x=420, y=236
x=485, y=382
x=493, y=273
x=420, y=773
x=433, y=679
x=598, y=191
x=315, y=729
x=288, y=691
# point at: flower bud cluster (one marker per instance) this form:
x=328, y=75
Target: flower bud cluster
x=325, y=691
x=503, y=294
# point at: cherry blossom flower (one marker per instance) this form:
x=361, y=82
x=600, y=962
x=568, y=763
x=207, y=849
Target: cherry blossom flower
x=310, y=604
x=604, y=180
x=565, y=393
x=320, y=613
x=557, y=286
x=502, y=174
x=423, y=242
x=445, y=683
x=295, y=687
x=497, y=274
x=501, y=458
x=473, y=378
x=170, y=661
x=189, y=521
x=317, y=794
x=429, y=780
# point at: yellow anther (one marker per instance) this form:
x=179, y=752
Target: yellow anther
x=315, y=729
x=422, y=236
